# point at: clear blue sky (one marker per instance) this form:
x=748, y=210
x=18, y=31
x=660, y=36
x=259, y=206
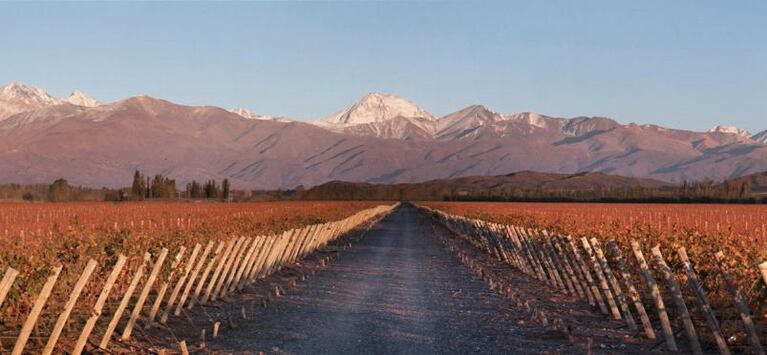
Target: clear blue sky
x=683, y=64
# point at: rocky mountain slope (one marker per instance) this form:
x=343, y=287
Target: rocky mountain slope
x=382, y=138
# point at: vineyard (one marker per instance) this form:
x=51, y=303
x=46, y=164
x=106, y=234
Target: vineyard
x=65, y=265
x=707, y=263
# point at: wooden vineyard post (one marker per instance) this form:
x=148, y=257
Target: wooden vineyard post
x=763, y=269
x=34, y=314
x=238, y=266
x=246, y=277
x=73, y=296
x=290, y=256
x=233, y=257
x=554, y=241
x=313, y=233
x=201, y=284
x=216, y=272
x=602, y=279
x=587, y=274
x=697, y=289
x=144, y=294
x=258, y=266
x=557, y=263
x=164, y=288
x=246, y=266
x=123, y=303
x=577, y=270
x=626, y=277
x=516, y=251
x=176, y=289
x=740, y=303
x=614, y=283
x=99, y=306
x=7, y=282
x=676, y=294
x=533, y=256
x=258, y=271
x=193, y=278
x=183, y=348
x=275, y=249
x=665, y=323
x=552, y=271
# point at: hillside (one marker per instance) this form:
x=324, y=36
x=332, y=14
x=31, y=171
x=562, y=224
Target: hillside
x=520, y=183
x=382, y=138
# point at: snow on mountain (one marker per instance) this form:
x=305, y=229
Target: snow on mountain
x=531, y=118
x=79, y=98
x=17, y=98
x=382, y=116
x=255, y=116
x=374, y=108
x=250, y=114
x=729, y=130
x=760, y=137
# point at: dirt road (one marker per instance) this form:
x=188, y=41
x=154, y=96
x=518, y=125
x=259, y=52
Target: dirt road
x=397, y=291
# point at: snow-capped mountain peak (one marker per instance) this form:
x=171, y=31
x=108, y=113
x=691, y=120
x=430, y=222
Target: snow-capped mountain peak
x=79, y=98
x=250, y=114
x=245, y=113
x=532, y=118
x=760, y=137
x=729, y=130
x=17, y=97
x=26, y=94
x=375, y=108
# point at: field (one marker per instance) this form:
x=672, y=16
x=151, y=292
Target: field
x=34, y=237
x=158, y=242
x=738, y=231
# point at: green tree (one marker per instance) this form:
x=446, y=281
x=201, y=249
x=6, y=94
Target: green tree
x=138, y=189
x=225, y=189
x=60, y=191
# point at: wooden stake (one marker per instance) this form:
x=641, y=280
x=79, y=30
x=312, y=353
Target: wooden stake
x=587, y=274
x=164, y=288
x=614, y=283
x=143, y=295
x=182, y=347
x=233, y=257
x=29, y=324
x=700, y=294
x=73, y=296
x=192, y=279
x=676, y=294
x=668, y=334
x=626, y=277
x=214, y=277
x=7, y=282
x=124, y=303
x=740, y=302
x=602, y=279
x=204, y=277
x=99, y=306
x=180, y=283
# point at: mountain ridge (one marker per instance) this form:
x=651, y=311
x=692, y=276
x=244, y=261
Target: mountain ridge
x=102, y=146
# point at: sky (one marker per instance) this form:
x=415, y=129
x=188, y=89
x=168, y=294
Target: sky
x=680, y=64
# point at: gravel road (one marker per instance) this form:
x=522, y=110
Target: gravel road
x=397, y=291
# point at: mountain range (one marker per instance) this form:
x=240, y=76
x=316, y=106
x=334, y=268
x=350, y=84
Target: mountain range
x=382, y=138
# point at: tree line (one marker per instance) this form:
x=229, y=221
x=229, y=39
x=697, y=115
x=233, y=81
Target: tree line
x=161, y=187
x=738, y=190
x=729, y=191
